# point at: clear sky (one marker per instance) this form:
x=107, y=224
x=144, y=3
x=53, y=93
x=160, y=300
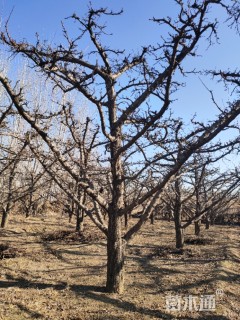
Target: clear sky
x=131, y=31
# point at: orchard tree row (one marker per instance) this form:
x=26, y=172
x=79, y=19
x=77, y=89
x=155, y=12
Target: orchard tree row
x=95, y=132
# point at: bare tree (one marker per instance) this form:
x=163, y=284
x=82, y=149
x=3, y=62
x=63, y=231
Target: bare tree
x=198, y=193
x=13, y=147
x=9, y=190
x=120, y=86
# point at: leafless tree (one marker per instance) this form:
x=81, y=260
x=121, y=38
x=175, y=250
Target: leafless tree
x=120, y=86
x=198, y=193
x=12, y=151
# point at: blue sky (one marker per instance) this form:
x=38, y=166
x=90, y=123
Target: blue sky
x=131, y=31
x=45, y=15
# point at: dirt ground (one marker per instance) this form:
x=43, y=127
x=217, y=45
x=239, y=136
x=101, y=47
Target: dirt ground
x=44, y=276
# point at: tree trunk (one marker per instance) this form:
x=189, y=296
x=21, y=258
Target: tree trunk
x=9, y=198
x=126, y=219
x=115, y=242
x=152, y=218
x=29, y=208
x=207, y=224
x=179, y=231
x=79, y=220
x=179, y=235
x=197, y=228
x=4, y=218
x=71, y=212
x=177, y=212
x=115, y=255
x=169, y=217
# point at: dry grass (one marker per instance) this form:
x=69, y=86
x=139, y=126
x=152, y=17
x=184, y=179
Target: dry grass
x=55, y=274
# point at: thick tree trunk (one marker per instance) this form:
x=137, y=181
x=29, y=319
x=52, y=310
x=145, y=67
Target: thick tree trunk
x=71, y=212
x=126, y=220
x=152, y=218
x=179, y=235
x=179, y=231
x=115, y=242
x=4, y=219
x=207, y=224
x=197, y=228
x=115, y=255
x=79, y=220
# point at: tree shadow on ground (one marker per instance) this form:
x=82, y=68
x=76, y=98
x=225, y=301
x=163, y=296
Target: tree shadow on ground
x=31, y=313
x=92, y=292
x=23, y=283
x=59, y=253
x=99, y=294
x=224, y=276
x=95, y=293
x=147, y=266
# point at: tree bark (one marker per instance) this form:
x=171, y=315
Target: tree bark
x=9, y=198
x=178, y=215
x=152, y=218
x=126, y=216
x=207, y=225
x=115, y=241
x=79, y=220
x=4, y=218
x=197, y=227
x=115, y=254
x=179, y=231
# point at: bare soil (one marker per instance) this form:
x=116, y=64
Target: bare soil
x=47, y=271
